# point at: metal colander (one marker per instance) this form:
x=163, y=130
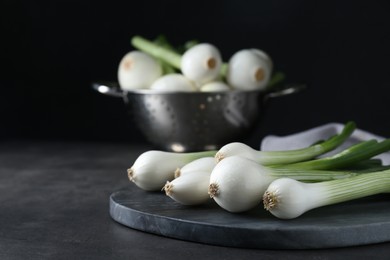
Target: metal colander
x=195, y=121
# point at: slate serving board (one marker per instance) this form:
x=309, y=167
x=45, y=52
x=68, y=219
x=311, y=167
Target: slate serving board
x=359, y=222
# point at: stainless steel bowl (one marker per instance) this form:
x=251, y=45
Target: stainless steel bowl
x=184, y=122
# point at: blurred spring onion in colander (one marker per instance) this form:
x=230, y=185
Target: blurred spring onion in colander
x=161, y=52
x=138, y=70
x=173, y=82
x=202, y=63
x=214, y=86
x=249, y=69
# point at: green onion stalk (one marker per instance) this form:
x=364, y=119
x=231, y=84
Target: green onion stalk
x=360, y=152
x=287, y=198
x=288, y=156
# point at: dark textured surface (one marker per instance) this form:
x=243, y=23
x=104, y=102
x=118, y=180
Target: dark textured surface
x=54, y=201
x=359, y=222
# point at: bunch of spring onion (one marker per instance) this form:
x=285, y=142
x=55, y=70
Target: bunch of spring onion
x=240, y=188
x=238, y=184
x=156, y=65
x=237, y=178
x=152, y=169
x=286, y=198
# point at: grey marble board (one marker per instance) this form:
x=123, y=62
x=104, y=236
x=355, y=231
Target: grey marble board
x=359, y=222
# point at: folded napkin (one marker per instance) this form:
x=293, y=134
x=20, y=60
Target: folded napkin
x=308, y=137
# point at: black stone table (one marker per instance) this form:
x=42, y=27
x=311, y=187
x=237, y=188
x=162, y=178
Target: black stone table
x=54, y=204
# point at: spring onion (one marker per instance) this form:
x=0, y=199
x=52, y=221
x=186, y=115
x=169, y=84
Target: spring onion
x=214, y=86
x=190, y=188
x=201, y=63
x=237, y=183
x=356, y=153
x=152, y=169
x=167, y=55
x=276, y=78
x=287, y=198
x=173, y=82
x=285, y=157
x=205, y=164
x=263, y=55
x=138, y=70
x=247, y=70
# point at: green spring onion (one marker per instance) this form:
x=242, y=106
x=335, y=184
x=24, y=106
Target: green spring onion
x=286, y=157
x=356, y=153
x=288, y=198
x=237, y=183
x=161, y=52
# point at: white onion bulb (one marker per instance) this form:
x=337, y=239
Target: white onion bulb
x=190, y=188
x=214, y=86
x=138, y=70
x=201, y=63
x=237, y=184
x=264, y=56
x=287, y=198
x=152, y=169
x=237, y=148
x=248, y=70
x=205, y=164
x=173, y=82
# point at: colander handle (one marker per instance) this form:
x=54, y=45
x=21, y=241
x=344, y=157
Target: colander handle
x=286, y=90
x=108, y=88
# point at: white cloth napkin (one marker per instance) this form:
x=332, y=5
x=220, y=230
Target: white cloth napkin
x=308, y=137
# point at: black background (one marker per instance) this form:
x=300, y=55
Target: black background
x=52, y=50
